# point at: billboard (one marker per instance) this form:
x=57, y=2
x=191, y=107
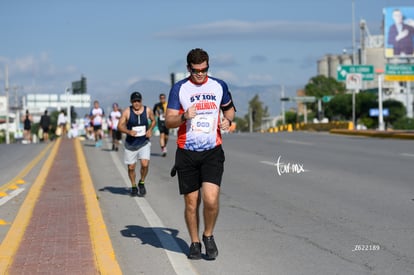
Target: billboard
x=399, y=32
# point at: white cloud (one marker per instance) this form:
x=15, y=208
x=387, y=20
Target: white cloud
x=274, y=30
x=227, y=76
x=223, y=60
x=260, y=78
x=38, y=73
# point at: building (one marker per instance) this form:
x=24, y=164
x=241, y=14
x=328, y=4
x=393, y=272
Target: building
x=370, y=52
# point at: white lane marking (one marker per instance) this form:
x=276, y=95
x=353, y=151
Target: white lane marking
x=178, y=260
x=407, y=155
x=297, y=142
x=11, y=195
x=268, y=162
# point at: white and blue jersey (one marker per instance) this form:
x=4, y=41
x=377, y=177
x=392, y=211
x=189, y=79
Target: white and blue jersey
x=203, y=131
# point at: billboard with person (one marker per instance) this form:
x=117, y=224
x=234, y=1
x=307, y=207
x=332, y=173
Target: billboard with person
x=399, y=32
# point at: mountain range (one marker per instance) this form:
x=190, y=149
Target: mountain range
x=150, y=89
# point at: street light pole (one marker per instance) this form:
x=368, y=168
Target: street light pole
x=282, y=92
x=354, y=61
x=380, y=114
x=67, y=92
x=353, y=109
x=354, y=57
x=6, y=87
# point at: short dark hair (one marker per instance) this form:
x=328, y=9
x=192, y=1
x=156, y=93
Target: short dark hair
x=197, y=56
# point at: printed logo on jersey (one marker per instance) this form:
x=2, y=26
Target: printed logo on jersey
x=204, y=102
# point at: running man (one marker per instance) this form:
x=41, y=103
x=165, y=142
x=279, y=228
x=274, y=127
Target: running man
x=97, y=114
x=114, y=117
x=194, y=105
x=134, y=123
x=159, y=112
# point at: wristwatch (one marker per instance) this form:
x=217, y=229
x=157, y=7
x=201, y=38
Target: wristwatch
x=230, y=122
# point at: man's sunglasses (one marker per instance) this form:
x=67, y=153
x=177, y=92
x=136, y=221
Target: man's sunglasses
x=198, y=71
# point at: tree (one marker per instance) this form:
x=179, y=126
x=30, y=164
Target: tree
x=339, y=107
x=258, y=112
x=404, y=123
x=242, y=124
x=290, y=117
x=396, y=111
x=320, y=86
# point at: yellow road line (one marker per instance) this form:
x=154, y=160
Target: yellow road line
x=102, y=246
x=11, y=242
x=25, y=171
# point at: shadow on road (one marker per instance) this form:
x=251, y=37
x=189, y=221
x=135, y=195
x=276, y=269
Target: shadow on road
x=152, y=236
x=116, y=190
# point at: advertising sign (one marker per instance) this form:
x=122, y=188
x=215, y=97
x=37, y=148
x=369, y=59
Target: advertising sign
x=399, y=72
x=399, y=32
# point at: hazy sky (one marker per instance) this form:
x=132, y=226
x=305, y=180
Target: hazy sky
x=48, y=44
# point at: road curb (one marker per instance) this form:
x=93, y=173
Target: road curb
x=373, y=133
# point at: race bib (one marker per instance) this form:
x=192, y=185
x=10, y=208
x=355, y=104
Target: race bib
x=162, y=117
x=141, y=130
x=202, y=124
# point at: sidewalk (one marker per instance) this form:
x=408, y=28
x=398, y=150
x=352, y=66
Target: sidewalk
x=59, y=228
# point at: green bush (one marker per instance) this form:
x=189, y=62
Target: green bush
x=404, y=123
x=3, y=137
x=368, y=122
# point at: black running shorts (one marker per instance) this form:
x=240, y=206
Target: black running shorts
x=162, y=128
x=97, y=127
x=116, y=135
x=194, y=168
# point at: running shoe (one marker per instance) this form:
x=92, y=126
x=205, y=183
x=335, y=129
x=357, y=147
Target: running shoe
x=195, y=251
x=134, y=191
x=142, y=190
x=164, y=151
x=211, y=248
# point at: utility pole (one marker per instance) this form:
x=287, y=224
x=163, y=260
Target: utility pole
x=250, y=120
x=16, y=107
x=354, y=61
x=6, y=87
x=68, y=101
x=354, y=56
x=380, y=114
x=282, y=95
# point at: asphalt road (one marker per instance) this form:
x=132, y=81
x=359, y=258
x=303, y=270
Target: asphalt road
x=291, y=203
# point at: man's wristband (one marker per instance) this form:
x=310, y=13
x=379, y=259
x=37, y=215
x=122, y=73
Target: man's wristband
x=183, y=117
